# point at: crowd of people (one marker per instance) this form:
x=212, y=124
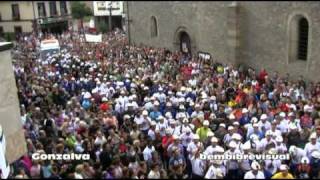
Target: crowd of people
x=144, y=112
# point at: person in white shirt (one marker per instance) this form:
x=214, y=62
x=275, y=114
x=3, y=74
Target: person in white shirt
x=272, y=165
x=227, y=137
x=280, y=146
x=232, y=165
x=154, y=172
x=255, y=173
x=274, y=130
x=266, y=141
x=152, y=131
x=296, y=154
x=264, y=125
x=198, y=165
x=186, y=138
x=311, y=146
x=147, y=152
x=197, y=111
x=196, y=143
x=143, y=121
x=210, y=150
x=162, y=125
x=245, y=163
x=173, y=129
x=185, y=126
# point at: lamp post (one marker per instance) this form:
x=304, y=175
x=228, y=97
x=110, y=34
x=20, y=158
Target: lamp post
x=110, y=16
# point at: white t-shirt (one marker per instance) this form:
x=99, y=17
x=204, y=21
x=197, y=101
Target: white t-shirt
x=211, y=173
x=250, y=175
x=198, y=166
x=147, y=153
x=309, y=148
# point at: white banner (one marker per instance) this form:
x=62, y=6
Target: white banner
x=93, y=38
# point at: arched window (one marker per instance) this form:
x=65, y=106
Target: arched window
x=154, y=27
x=298, y=38
x=303, y=39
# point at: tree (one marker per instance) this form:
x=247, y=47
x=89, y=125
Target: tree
x=80, y=11
x=102, y=27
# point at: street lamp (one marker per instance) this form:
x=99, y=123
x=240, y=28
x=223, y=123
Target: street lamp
x=110, y=14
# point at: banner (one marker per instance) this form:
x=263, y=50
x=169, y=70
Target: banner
x=93, y=38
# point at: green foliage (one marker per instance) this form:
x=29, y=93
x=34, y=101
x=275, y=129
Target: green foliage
x=102, y=27
x=80, y=10
x=9, y=36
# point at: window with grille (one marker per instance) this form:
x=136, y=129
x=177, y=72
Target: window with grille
x=303, y=39
x=15, y=12
x=63, y=8
x=42, y=10
x=53, y=8
x=154, y=27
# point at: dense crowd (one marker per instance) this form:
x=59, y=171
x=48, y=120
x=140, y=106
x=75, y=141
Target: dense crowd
x=144, y=112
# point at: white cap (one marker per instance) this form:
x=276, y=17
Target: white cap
x=279, y=139
x=104, y=99
x=182, y=107
x=282, y=114
x=168, y=131
x=313, y=136
x=254, y=120
x=245, y=110
x=263, y=117
x=156, y=103
x=185, y=120
x=87, y=95
x=283, y=167
x=291, y=114
x=232, y=144
x=126, y=116
x=272, y=151
x=214, y=139
x=153, y=123
x=292, y=149
x=222, y=125
x=255, y=165
x=268, y=133
x=230, y=128
x=236, y=123
x=255, y=125
x=219, y=149
x=206, y=123
x=236, y=136
x=145, y=113
x=160, y=117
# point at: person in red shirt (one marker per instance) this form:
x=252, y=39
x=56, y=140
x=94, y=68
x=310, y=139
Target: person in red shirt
x=166, y=141
x=262, y=75
x=104, y=106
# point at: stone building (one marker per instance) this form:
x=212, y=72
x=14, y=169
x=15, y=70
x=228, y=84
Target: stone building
x=25, y=16
x=277, y=36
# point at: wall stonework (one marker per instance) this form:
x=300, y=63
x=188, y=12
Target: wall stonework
x=263, y=31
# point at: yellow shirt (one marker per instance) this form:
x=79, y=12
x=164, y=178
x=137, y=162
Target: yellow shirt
x=279, y=175
x=203, y=132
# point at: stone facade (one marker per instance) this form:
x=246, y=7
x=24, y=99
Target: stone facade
x=10, y=118
x=256, y=34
